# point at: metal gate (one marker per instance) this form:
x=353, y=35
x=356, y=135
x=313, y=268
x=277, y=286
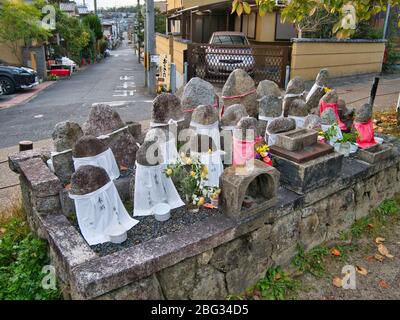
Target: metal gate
x=214, y=63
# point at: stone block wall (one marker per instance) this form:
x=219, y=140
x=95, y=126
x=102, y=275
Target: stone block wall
x=214, y=258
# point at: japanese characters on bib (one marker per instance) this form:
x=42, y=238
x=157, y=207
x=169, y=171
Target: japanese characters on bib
x=100, y=212
x=152, y=187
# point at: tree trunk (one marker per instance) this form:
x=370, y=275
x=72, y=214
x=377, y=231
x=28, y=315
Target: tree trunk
x=398, y=111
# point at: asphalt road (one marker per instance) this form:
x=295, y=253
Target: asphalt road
x=117, y=80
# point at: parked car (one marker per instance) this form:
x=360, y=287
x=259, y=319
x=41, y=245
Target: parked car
x=15, y=78
x=221, y=61
x=1, y=90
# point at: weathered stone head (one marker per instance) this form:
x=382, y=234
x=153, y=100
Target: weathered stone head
x=65, y=135
x=205, y=115
x=159, y=134
x=202, y=143
x=270, y=106
x=166, y=106
x=197, y=92
x=149, y=154
x=281, y=125
x=88, y=179
x=364, y=114
x=322, y=78
x=345, y=114
x=102, y=120
x=295, y=86
x=328, y=117
x=233, y=114
x=88, y=146
x=240, y=83
x=246, y=129
x=331, y=97
x=268, y=88
x=313, y=121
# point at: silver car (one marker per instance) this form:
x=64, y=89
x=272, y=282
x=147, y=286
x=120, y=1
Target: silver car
x=221, y=60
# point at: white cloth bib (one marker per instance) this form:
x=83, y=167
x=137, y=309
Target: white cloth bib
x=214, y=164
x=99, y=211
x=152, y=187
x=211, y=130
x=105, y=160
x=168, y=151
x=299, y=121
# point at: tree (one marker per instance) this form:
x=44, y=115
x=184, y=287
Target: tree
x=94, y=23
x=20, y=24
x=160, y=24
x=299, y=11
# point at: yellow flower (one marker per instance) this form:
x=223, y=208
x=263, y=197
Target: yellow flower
x=192, y=173
x=218, y=191
x=201, y=201
x=169, y=172
x=204, y=172
x=214, y=196
x=189, y=161
x=209, y=151
x=326, y=89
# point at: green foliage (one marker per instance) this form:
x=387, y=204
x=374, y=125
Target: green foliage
x=94, y=24
x=20, y=23
x=276, y=285
x=300, y=11
x=159, y=21
x=310, y=261
x=22, y=257
x=349, y=137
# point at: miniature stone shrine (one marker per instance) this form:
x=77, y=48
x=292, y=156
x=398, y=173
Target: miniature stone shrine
x=89, y=150
x=243, y=194
x=304, y=162
x=376, y=153
x=205, y=122
x=102, y=120
x=195, y=93
x=101, y=215
x=317, y=91
x=240, y=88
x=278, y=125
x=152, y=186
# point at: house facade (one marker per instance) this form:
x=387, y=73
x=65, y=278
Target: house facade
x=196, y=21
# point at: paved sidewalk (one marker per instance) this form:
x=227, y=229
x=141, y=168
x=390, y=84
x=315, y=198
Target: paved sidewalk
x=23, y=96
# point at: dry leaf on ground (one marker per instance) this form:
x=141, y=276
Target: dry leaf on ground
x=335, y=252
x=362, y=270
x=337, y=282
x=379, y=257
x=383, y=284
x=384, y=251
x=379, y=240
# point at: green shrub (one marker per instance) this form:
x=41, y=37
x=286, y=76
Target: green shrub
x=22, y=257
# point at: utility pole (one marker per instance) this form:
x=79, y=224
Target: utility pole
x=95, y=7
x=138, y=13
x=150, y=41
x=385, y=28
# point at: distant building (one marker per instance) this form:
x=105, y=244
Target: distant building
x=70, y=8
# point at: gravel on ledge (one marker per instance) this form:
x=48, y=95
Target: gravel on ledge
x=149, y=228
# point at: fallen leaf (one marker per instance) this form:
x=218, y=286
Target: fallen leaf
x=362, y=270
x=3, y=230
x=123, y=168
x=335, y=252
x=278, y=276
x=379, y=257
x=68, y=186
x=384, y=251
x=209, y=206
x=337, y=282
x=383, y=284
x=370, y=225
x=370, y=258
x=379, y=240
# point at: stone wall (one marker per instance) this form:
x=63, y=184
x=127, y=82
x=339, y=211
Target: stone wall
x=213, y=258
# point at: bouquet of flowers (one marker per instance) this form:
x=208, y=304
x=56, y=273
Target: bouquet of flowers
x=191, y=174
x=262, y=153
